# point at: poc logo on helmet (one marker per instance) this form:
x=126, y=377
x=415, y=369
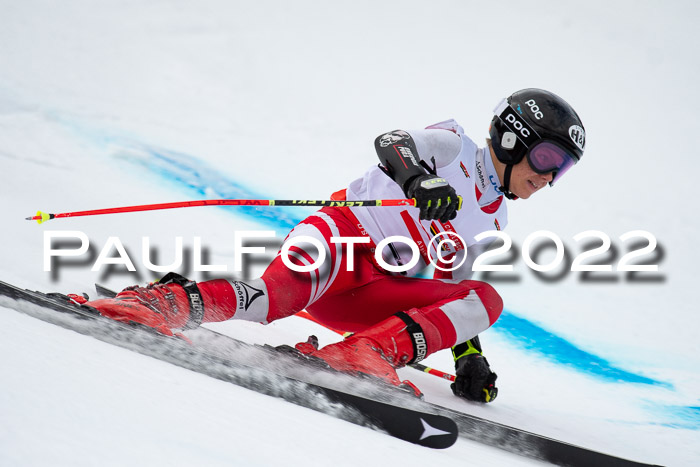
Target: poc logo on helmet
x=578, y=136
x=534, y=108
x=510, y=118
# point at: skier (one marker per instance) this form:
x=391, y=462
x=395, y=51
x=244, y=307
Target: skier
x=397, y=318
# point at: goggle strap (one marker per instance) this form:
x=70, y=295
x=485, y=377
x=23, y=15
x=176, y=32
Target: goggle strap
x=516, y=124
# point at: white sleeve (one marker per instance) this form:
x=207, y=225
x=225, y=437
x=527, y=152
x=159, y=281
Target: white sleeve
x=443, y=145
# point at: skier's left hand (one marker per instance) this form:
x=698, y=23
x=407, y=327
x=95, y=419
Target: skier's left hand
x=474, y=379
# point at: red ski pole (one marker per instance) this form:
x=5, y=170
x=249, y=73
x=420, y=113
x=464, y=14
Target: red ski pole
x=433, y=371
x=43, y=216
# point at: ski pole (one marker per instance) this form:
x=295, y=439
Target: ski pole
x=417, y=366
x=432, y=371
x=41, y=216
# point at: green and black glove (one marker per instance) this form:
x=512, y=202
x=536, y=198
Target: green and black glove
x=474, y=379
x=435, y=198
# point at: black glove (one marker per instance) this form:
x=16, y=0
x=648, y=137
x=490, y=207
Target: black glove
x=474, y=379
x=435, y=198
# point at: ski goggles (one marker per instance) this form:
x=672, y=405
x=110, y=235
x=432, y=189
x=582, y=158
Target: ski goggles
x=547, y=156
x=543, y=155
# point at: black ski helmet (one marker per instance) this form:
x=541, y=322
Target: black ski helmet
x=530, y=116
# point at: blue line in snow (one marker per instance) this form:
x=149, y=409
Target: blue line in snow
x=687, y=417
x=201, y=180
x=533, y=338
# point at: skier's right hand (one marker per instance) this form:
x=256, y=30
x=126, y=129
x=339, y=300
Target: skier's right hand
x=435, y=198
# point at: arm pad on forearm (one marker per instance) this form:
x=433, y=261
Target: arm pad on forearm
x=399, y=156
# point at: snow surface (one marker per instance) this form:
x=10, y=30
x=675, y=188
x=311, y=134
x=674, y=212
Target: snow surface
x=123, y=102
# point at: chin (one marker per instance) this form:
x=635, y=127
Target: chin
x=525, y=195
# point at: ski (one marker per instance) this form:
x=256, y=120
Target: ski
x=471, y=427
x=269, y=372
x=408, y=424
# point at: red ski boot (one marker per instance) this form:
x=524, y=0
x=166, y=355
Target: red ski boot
x=174, y=303
x=379, y=350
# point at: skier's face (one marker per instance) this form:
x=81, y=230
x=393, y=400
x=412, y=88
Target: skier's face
x=524, y=181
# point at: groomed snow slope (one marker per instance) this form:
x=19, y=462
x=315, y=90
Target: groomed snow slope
x=126, y=102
